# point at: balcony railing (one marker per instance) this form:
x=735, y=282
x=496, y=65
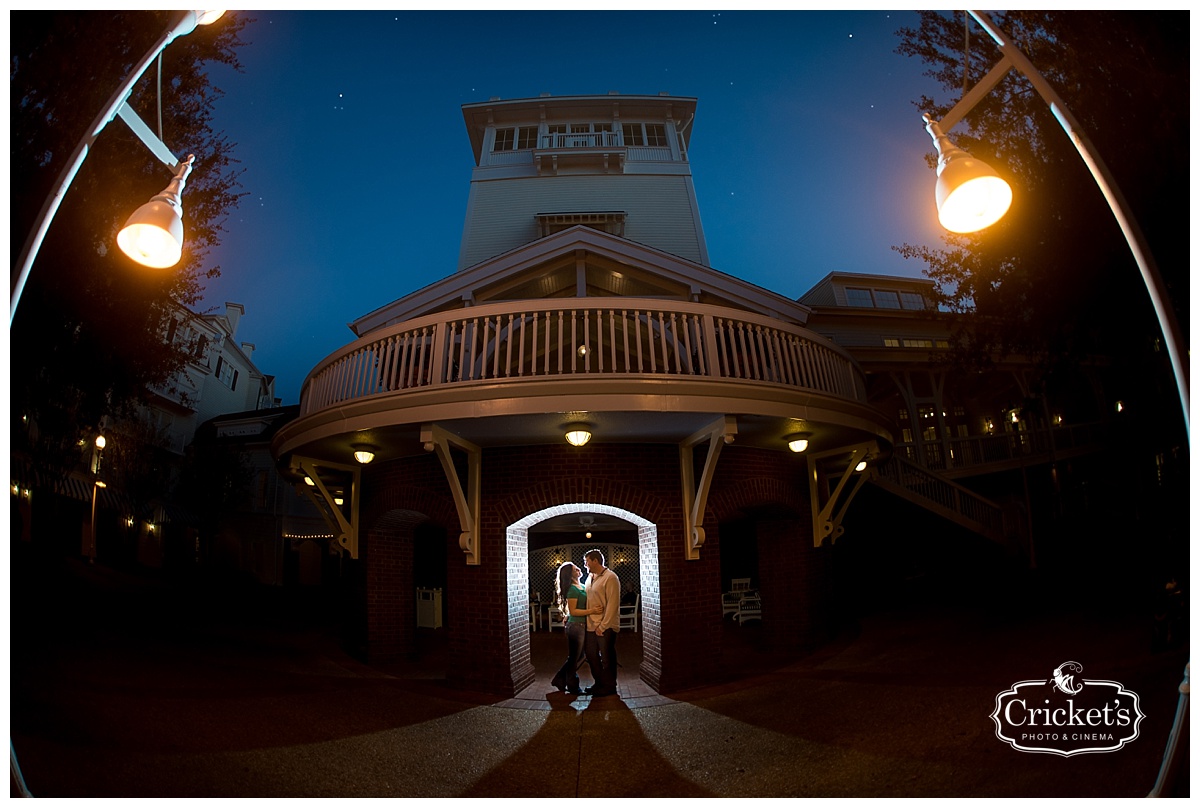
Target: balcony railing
x=603, y=337
x=1005, y=447
x=581, y=140
x=962, y=504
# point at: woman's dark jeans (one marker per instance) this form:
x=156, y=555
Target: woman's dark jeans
x=567, y=678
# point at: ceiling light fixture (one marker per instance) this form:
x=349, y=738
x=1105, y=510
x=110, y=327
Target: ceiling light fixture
x=578, y=433
x=798, y=441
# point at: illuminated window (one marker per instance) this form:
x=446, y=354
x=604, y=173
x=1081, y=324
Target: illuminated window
x=918, y=343
x=891, y=342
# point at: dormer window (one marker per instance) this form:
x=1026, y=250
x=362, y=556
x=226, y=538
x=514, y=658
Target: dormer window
x=885, y=299
x=859, y=297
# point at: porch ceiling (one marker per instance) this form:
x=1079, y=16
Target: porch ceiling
x=621, y=427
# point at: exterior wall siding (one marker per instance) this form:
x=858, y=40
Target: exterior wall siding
x=870, y=335
x=661, y=211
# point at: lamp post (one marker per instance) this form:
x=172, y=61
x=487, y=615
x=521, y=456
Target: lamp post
x=96, y=486
x=956, y=176
x=185, y=23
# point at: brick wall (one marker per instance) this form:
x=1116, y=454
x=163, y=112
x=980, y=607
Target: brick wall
x=795, y=579
x=487, y=604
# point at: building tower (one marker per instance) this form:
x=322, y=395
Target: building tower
x=703, y=417
x=616, y=163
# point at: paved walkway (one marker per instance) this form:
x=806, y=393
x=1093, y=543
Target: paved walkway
x=125, y=690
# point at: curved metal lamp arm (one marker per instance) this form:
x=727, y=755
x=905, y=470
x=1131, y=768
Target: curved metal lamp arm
x=1015, y=59
x=185, y=23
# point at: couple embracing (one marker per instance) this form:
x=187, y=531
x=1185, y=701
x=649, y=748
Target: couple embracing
x=593, y=620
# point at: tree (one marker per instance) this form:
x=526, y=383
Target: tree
x=1055, y=279
x=88, y=338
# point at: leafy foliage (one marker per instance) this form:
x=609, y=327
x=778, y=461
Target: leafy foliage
x=87, y=339
x=1055, y=279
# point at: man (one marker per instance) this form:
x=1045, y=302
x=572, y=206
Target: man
x=600, y=645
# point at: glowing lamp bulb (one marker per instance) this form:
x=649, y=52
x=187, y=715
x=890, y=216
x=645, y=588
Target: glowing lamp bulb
x=578, y=434
x=797, y=443
x=148, y=242
x=153, y=236
x=970, y=195
x=974, y=205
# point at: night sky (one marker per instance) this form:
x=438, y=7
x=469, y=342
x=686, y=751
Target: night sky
x=806, y=151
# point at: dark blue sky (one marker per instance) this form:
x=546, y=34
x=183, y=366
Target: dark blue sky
x=807, y=151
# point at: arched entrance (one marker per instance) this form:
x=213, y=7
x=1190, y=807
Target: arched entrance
x=405, y=557
x=519, y=581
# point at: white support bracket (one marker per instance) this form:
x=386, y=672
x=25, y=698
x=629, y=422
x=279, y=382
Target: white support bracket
x=695, y=497
x=826, y=523
x=147, y=136
x=345, y=531
x=438, y=440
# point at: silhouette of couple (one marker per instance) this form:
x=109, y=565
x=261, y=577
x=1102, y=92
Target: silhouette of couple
x=593, y=620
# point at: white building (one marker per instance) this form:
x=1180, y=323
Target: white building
x=221, y=377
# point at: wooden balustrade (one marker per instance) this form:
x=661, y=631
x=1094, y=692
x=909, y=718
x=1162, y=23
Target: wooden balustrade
x=600, y=337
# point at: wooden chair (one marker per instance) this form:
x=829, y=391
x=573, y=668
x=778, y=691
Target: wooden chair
x=731, y=599
x=629, y=614
x=749, y=608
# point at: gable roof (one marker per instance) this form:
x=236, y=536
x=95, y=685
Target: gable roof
x=664, y=274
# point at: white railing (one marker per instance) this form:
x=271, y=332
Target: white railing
x=581, y=140
x=648, y=153
x=511, y=158
x=943, y=493
x=598, y=337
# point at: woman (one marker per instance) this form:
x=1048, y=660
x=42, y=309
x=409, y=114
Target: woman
x=572, y=601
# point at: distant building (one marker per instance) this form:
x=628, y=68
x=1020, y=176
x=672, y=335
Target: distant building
x=270, y=532
x=137, y=516
x=221, y=377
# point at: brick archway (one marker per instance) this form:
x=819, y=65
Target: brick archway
x=794, y=578
x=517, y=535
x=387, y=585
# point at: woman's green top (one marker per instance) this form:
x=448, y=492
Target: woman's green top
x=580, y=598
